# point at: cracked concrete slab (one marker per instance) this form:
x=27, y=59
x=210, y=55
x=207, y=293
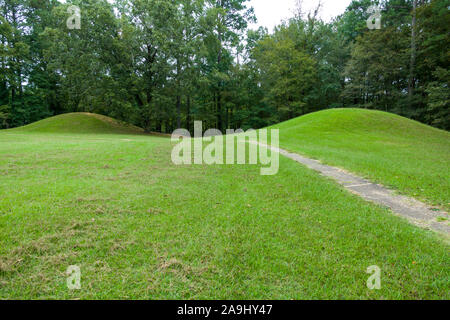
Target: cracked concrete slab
x=415, y=211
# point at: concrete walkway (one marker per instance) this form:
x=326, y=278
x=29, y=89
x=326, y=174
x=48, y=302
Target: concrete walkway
x=415, y=211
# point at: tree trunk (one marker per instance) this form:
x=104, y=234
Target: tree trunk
x=232, y=120
x=158, y=126
x=188, y=113
x=227, y=118
x=219, y=93
x=149, y=89
x=178, y=107
x=413, y=55
x=219, y=110
x=167, y=127
x=178, y=111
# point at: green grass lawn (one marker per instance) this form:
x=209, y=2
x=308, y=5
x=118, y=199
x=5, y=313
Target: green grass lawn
x=394, y=151
x=141, y=227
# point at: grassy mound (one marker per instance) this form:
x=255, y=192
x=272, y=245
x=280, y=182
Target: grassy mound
x=389, y=149
x=83, y=123
x=140, y=227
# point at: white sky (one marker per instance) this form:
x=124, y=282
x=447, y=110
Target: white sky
x=271, y=12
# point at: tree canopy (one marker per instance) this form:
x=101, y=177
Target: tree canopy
x=161, y=64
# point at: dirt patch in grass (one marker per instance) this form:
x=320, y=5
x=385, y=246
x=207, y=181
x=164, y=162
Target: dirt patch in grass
x=156, y=211
x=92, y=199
x=19, y=255
x=9, y=264
x=120, y=245
x=48, y=249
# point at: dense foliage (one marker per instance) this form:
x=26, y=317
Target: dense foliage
x=161, y=64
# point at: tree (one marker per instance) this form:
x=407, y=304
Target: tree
x=289, y=74
x=160, y=64
x=432, y=68
x=225, y=20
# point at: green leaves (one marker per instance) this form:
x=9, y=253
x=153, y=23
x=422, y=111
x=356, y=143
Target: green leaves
x=288, y=73
x=4, y=115
x=160, y=63
x=439, y=98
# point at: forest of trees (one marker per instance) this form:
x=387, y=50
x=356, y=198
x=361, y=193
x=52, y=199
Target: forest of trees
x=161, y=64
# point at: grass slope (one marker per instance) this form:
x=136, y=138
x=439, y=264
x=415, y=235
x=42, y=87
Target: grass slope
x=397, y=152
x=141, y=227
x=80, y=123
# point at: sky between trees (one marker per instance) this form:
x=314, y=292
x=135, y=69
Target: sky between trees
x=271, y=13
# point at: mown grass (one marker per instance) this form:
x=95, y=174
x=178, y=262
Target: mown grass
x=397, y=152
x=141, y=227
